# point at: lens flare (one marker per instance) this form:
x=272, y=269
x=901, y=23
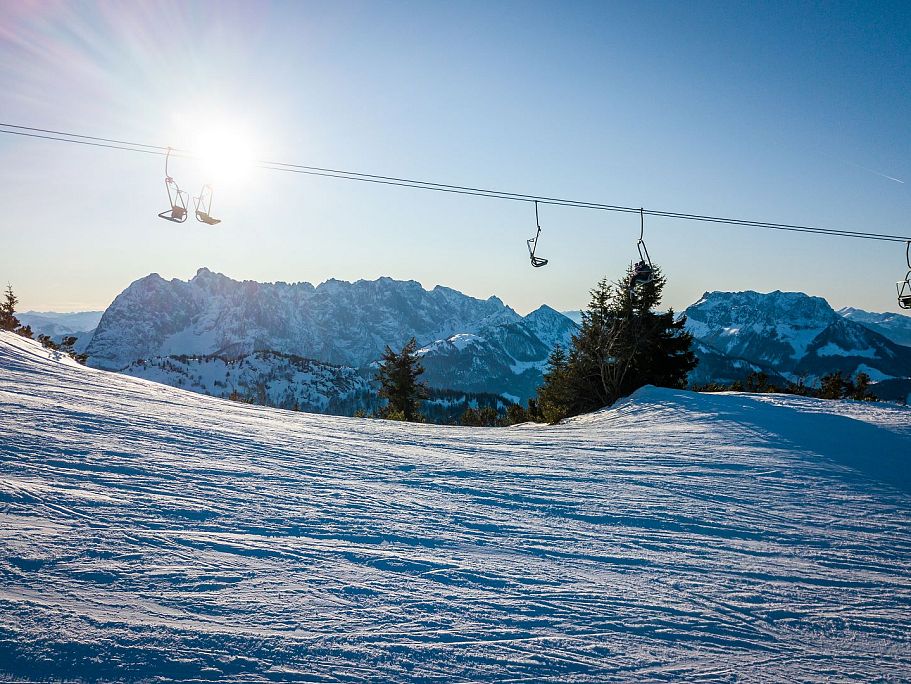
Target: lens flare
x=225, y=153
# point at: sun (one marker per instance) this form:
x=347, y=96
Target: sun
x=225, y=153
x=223, y=150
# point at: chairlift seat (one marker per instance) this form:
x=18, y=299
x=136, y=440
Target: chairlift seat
x=176, y=214
x=205, y=218
x=904, y=292
x=537, y=261
x=642, y=274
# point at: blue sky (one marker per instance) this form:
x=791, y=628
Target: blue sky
x=793, y=112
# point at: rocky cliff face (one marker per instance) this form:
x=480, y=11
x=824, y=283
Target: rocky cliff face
x=336, y=322
x=792, y=334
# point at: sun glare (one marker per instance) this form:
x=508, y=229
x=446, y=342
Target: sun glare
x=225, y=151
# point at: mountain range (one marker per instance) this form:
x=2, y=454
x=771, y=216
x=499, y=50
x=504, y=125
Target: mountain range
x=211, y=330
x=336, y=322
x=788, y=335
x=895, y=326
x=57, y=325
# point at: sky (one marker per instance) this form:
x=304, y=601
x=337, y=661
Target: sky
x=776, y=111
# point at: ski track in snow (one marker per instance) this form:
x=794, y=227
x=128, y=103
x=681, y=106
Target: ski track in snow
x=152, y=533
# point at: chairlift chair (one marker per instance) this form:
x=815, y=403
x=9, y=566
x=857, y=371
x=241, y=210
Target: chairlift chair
x=532, y=243
x=204, y=206
x=643, y=272
x=177, y=198
x=904, y=287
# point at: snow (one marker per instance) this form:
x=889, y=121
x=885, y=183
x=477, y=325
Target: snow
x=832, y=349
x=463, y=340
x=151, y=533
x=519, y=367
x=875, y=374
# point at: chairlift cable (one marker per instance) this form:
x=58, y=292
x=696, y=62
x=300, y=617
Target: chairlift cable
x=110, y=143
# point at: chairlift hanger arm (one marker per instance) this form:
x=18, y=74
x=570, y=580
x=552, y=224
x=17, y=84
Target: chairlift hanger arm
x=532, y=244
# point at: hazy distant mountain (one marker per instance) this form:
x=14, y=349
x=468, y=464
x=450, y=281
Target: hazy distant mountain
x=336, y=322
x=55, y=323
x=794, y=335
x=895, y=326
x=575, y=316
x=82, y=324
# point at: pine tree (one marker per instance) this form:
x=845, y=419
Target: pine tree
x=861, y=388
x=622, y=344
x=399, y=386
x=488, y=416
x=832, y=386
x=555, y=396
x=515, y=414
x=470, y=418
x=8, y=320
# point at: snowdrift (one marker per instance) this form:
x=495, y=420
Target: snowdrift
x=152, y=533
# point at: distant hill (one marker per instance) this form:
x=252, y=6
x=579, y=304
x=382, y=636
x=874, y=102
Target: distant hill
x=895, y=326
x=56, y=325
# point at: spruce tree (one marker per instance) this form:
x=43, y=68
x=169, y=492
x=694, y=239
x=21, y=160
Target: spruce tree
x=832, y=386
x=622, y=344
x=398, y=378
x=555, y=396
x=8, y=320
x=861, y=390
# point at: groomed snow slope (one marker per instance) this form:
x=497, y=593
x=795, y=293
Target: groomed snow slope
x=147, y=532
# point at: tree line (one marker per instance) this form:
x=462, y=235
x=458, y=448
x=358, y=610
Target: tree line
x=835, y=385
x=623, y=343
x=10, y=323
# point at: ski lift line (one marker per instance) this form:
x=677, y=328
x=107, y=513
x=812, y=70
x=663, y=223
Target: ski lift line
x=443, y=187
x=493, y=194
x=90, y=137
x=82, y=142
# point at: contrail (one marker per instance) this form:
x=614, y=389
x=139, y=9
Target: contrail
x=883, y=175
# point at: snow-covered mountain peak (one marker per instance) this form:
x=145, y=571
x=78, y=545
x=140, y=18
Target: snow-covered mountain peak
x=337, y=322
x=794, y=334
x=545, y=312
x=550, y=326
x=749, y=308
